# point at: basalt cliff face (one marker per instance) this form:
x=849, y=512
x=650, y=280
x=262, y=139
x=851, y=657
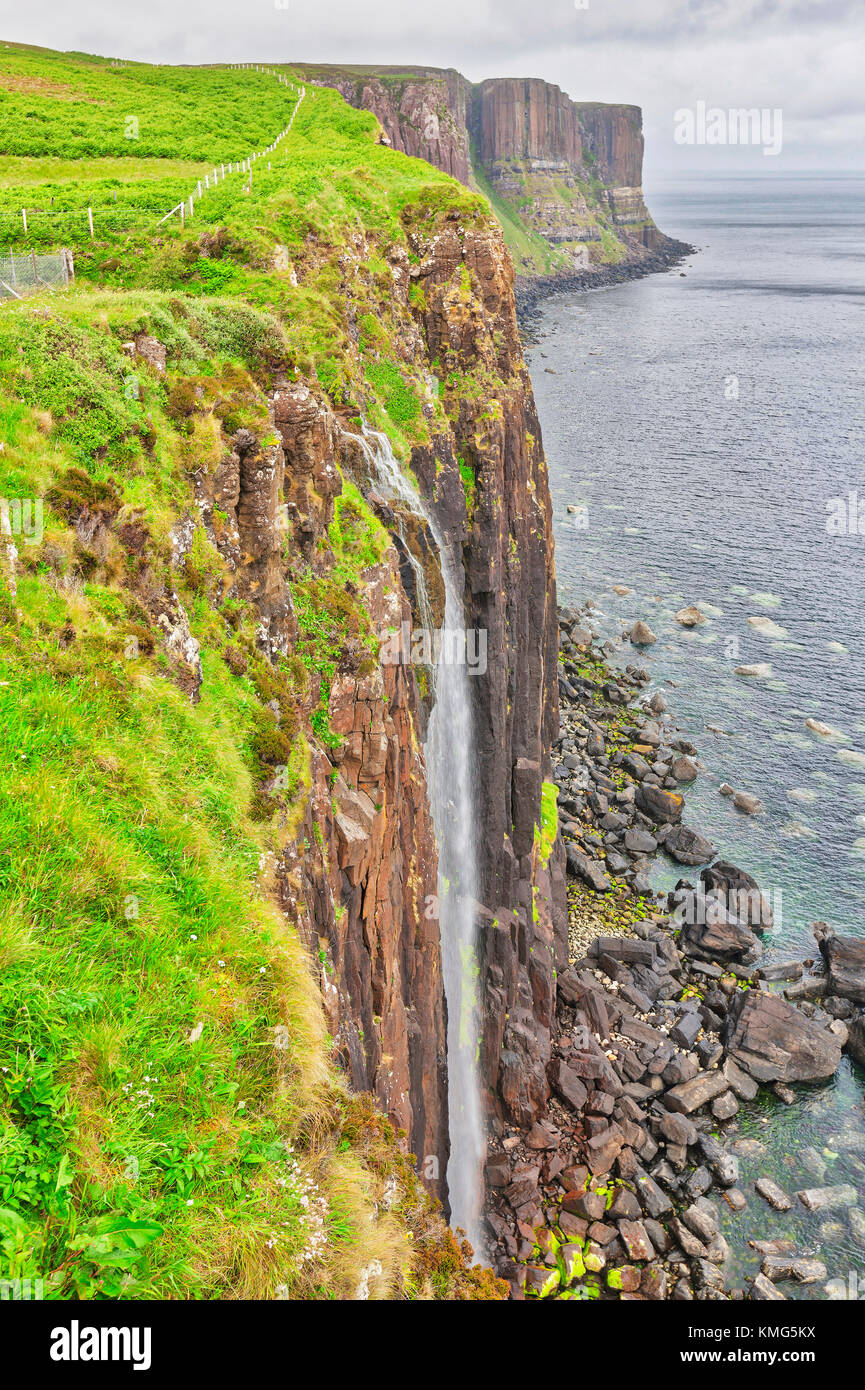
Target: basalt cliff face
x=564, y=177
x=358, y=879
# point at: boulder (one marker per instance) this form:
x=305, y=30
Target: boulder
x=642, y=635
x=683, y=768
x=688, y=846
x=741, y=892
x=845, y=963
x=828, y=1198
x=591, y=871
x=747, y=802
x=567, y=1084
x=773, y=1194
x=640, y=842
x=856, y=1039
x=762, y=1289
x=660, y=806
x=708, y=932
x=690, y=616
x=690, y=1095
x=636, y=766
x=774, y=1041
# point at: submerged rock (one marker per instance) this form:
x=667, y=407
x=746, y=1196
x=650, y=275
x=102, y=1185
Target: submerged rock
x=759, y=669
x=690, y=616
x=767, y=628
x=828, y=1198
x=824, y=730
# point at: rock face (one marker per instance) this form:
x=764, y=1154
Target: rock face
x=517, y=118
x=570, y=172
x=615, y=137
x=358, y=876
x=422, y=115
x=246, y=487
x=774, y=1041
x=510, y=595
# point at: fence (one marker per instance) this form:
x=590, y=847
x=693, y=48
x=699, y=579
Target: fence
x=23, y=274
x=186, y=205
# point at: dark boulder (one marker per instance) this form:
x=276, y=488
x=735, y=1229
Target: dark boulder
x=741, y=894
x=774, y=1041
x=845, y=963
x=660, y=806
x=591, y=871
x=856, y=1039
x=708, y=932
x=688, y=846
x=567, y=1084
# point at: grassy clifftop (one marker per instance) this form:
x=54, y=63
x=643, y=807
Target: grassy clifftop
x=171, y=1124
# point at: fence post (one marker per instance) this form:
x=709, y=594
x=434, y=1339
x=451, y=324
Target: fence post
x=90, y=219
x=24, y=215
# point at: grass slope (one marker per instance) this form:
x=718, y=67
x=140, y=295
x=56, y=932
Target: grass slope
x=171, y=1124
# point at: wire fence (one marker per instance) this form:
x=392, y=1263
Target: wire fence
x=77, y=222
x=24, y=274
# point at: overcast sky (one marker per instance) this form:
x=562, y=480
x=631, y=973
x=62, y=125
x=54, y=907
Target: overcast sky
x=802, y=56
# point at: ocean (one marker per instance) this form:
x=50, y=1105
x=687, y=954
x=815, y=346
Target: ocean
x=707, y=425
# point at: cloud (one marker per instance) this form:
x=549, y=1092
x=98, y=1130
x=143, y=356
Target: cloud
x=800, y=55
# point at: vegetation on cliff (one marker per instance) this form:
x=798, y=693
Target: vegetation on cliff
x=171, y=1122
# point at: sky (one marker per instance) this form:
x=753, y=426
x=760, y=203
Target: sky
x=802, y=58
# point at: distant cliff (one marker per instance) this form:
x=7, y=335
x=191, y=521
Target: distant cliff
x=563, y=177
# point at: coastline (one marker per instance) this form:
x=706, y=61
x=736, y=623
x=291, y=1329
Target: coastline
x=668, y=1023
x=531, y=291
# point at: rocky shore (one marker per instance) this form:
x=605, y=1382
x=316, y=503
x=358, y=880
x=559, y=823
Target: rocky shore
x=531, y=291
x=667, y=1022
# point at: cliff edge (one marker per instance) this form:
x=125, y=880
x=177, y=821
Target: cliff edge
x=564, y=178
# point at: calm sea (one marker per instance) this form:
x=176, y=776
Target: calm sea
x=705, y=422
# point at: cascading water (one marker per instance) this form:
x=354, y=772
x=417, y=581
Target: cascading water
x=448, y=750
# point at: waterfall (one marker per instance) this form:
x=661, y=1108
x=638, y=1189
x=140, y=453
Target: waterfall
x=448, y=749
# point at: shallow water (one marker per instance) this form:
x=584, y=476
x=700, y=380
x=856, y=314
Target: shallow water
x=705, y=422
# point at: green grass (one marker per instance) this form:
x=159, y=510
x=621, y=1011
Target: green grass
x=168, y=1097
x=35, y=175
x=76, y=107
